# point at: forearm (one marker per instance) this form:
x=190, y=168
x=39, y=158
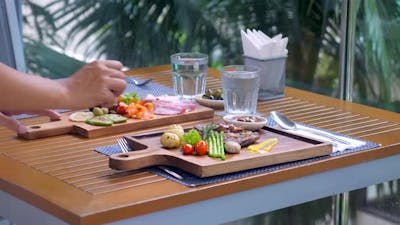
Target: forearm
x=19, y=91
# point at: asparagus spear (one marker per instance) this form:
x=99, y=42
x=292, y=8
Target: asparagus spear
x=221, y=145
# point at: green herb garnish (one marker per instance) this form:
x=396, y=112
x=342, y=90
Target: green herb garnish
x=129, y=98
x=191, y=137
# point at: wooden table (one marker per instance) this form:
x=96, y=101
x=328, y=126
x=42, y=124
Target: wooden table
x=61, y=180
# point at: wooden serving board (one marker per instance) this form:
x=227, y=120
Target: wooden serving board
x=64, y=125
x=149, y=152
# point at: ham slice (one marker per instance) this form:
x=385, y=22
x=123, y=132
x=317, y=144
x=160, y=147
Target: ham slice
x=170, y=105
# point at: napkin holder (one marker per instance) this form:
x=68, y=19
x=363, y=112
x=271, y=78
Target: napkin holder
x=272, y=76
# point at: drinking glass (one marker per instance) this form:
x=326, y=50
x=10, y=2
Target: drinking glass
x=189, y=73
x=240, y=84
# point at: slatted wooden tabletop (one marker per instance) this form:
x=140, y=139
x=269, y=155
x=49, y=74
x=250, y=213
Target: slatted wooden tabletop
x=65, y=177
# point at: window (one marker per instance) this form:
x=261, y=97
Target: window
x=59, y=36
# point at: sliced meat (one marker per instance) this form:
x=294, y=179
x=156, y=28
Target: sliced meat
x=165, y=107
x=170, y=105
x=163, y=110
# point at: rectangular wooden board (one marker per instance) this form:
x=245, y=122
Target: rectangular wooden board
x=149, y=152
x=64, y=125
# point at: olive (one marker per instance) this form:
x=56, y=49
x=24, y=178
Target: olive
x=97, y=111
x=218, y=93
x=105, y=110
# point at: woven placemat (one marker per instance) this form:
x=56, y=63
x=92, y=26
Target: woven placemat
x=192, y=180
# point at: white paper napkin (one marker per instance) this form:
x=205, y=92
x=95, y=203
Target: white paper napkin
x=258, y=45
x=336, y=146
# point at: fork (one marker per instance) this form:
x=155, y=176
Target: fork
x=136, y=82
x=123, y=145
x=125, y=148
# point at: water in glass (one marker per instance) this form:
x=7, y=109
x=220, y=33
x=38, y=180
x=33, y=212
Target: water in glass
x=240, y=89
x=189, y=72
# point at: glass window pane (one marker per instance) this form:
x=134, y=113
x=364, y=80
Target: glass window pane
x=376, y=67
x=377, y=204
x=311, y=213
x=60, y=35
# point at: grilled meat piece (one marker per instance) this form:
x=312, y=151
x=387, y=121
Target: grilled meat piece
x=235, y=133
x=244, y=138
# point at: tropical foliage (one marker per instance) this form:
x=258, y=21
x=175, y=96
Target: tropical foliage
x=376, y=70
x=143, y=33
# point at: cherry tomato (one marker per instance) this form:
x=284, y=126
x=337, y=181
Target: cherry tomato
x=121, y=108
x=201, y=148
x=187, y=149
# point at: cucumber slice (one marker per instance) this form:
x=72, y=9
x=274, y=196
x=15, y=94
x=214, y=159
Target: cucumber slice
x=81, y=116
x=116, y=118
x=102, y=120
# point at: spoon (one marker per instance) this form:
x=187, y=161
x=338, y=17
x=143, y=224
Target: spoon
x=138, y=83
x=288, y=124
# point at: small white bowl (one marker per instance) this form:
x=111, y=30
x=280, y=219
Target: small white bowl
x=215, y=104
x=253, y=125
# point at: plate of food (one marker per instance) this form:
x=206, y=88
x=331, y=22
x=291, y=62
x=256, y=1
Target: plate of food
x=206, y=150
x=250, y=122
x=212, y=98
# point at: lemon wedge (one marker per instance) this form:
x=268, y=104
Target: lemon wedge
x=264, y=146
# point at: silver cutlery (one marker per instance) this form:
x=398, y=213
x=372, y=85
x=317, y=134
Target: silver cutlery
x=137, y=82
x=125, y=148
x=288, y=124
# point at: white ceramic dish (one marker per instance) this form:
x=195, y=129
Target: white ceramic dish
x=258, y=124
x=215, y=104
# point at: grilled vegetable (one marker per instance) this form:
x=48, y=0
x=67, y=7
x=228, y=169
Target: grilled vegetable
x=170, y=140
x=176, y=129
x=201, y=148
x=232, y=147
x=205, y=130
x=187, y=149
x=216, y=147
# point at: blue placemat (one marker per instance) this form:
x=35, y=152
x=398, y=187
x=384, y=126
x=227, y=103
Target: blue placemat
x=192, y=180
x=142, y=91
x=150, y=88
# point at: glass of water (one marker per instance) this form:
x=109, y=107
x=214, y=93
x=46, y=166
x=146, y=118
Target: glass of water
x=189, y=73
x=240, y=84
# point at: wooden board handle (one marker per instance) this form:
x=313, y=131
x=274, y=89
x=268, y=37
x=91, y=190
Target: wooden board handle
x=138, y=159
x=48, y=129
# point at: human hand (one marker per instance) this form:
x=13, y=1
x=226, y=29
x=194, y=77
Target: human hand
x=16, y=125
x=96, y=84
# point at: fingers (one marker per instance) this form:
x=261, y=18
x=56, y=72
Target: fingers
x=117, y=65
x=12, y=124
x=117, y=86
x=116, y=74
x=53, y=115
x=109, y=100
x=112, y=68
x=97, y=83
